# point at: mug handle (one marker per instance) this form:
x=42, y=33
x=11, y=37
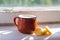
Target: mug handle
x=15, y=20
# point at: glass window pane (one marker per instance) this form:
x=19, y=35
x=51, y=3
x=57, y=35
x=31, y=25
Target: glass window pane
x=29, y=2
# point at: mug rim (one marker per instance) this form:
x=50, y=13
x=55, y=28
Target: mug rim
x=27, y=16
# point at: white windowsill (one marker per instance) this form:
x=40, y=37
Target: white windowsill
x=15, y=9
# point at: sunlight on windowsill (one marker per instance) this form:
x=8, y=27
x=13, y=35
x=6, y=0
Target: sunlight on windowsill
x=5, y=32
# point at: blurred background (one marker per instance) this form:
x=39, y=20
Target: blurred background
x=29, y=2
x=45, y=10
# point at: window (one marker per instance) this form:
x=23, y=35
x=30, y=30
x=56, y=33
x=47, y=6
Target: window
x=8, y=5
x=29, y=2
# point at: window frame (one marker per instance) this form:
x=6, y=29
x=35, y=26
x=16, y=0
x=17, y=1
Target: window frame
x=15, y=9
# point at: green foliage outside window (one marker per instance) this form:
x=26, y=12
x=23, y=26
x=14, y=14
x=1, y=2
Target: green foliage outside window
x=29, y=2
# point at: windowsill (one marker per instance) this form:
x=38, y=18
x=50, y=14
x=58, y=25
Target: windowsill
x=15, y=9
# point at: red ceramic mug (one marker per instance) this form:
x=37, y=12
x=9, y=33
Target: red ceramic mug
x=25, y=23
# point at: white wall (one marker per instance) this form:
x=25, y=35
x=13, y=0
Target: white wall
x=42, y=16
